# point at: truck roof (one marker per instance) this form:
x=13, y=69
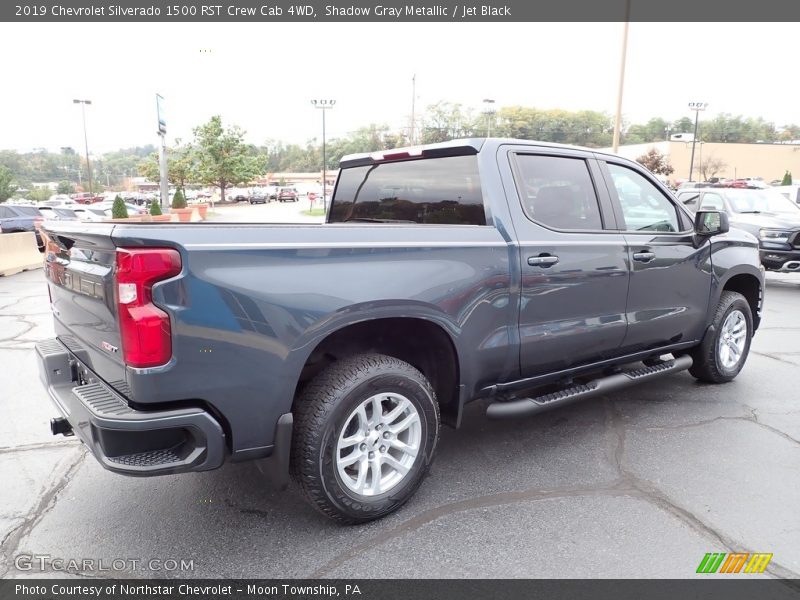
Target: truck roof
x=457, y=147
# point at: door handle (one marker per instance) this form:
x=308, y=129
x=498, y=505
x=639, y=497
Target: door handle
x=644, y=256
x=543, y=260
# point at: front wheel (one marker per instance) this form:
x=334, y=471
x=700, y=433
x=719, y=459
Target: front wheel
x=365, y=433
x=724, y=349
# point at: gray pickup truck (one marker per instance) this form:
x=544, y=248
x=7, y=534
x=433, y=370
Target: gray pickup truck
x=525, y=274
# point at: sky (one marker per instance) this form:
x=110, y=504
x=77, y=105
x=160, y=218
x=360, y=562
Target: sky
x=263, y=76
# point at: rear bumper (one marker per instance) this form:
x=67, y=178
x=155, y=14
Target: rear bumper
x=124, y=440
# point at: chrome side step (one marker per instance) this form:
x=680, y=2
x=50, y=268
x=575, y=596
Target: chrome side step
x=522, y=407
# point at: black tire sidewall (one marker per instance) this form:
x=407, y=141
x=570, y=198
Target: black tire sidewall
x=741, y=305
x=360, y=507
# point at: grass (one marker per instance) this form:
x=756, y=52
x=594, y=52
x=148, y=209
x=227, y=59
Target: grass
x=315, y=212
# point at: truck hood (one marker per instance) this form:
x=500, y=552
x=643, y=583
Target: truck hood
x=766, y=221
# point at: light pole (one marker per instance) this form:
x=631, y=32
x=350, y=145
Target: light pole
x=324, y=105
x=488, y=102
x=696, y=107
x=83, y=104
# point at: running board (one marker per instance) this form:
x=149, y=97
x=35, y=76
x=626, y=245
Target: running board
x=523, y=407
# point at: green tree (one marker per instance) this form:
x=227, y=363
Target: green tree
x=7, y=184
x=222, y=157
x=65, y=187
x=178, y=200
x=155, y=209
x=787, y=178
x=118, y=209
x=180, y=166
x=656, y=162
x=39, y=194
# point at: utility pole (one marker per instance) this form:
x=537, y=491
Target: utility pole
x=696, y=107
x=413, y=101
x=618, y=119
x=83, y=104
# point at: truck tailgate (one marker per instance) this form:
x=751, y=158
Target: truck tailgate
x=79, y=267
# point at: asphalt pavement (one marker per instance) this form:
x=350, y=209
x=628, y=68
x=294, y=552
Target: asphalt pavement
x=641, y=483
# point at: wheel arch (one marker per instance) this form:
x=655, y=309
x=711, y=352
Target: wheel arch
x=747, y=281
x=424, y=343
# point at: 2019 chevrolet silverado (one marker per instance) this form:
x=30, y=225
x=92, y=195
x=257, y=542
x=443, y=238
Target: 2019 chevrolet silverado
x=525, y=274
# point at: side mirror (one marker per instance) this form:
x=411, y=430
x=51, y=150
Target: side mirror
x=711, y=222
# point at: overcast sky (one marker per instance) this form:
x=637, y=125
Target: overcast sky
x=262, y=76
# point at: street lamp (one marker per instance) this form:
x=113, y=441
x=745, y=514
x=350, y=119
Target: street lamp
x=488, y=102
x=324, y=105
x=83, y=104
x=696, y=107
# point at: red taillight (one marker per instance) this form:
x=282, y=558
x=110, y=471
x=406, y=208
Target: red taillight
x=145, y=328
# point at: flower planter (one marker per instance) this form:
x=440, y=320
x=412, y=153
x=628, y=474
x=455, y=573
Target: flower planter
x=203, y=210
x=184, y=214
x=161, y=218
x=136, y=219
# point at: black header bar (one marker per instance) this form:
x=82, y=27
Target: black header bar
x=393, y=11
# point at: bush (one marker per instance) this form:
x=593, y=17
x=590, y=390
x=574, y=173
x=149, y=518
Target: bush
x=155, y=209
x=179, y=200
x=787, y=178
x=118, y=209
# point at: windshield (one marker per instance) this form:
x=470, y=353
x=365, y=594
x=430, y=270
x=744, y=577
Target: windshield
x=26, y=211
x=770, y=201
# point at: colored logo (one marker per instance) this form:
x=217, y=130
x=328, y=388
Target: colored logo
x=735, y=562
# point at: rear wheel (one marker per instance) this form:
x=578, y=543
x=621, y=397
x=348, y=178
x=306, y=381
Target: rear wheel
x=725, y=347
x=365, y=433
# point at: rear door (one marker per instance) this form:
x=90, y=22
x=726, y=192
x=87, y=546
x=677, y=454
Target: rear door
x=573, y=261
x=670, y=279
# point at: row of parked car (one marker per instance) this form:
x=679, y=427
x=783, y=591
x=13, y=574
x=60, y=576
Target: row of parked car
x=262, y=195
x=19, y=217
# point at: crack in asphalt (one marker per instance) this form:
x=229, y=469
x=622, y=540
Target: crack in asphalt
x=38, y=446
x=773, y=357
x=754, y=420
x=47, y=501
x=627, y=484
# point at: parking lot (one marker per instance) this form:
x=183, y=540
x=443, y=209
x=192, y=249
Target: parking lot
x=639, y=484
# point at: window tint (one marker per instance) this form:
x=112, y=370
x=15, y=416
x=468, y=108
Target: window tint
x=432, y=191
x=712, y=201
x=557, y=192
x=644, y=207
x=5, y=212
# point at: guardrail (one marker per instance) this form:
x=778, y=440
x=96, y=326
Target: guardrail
x=18, y=252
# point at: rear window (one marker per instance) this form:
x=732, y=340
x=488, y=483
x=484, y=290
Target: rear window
x=442, y=191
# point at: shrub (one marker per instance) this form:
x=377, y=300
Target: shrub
x=118, y=209
x=155, y=209
x=179, y=200
x=787, y=178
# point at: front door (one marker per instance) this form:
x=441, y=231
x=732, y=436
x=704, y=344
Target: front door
x=670, y=280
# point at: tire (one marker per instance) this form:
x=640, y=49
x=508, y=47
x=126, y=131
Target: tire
x=327, y=412
x=714, y=362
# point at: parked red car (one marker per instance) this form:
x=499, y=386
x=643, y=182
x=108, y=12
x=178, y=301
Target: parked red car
x=288, y=194
x=87, y=198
